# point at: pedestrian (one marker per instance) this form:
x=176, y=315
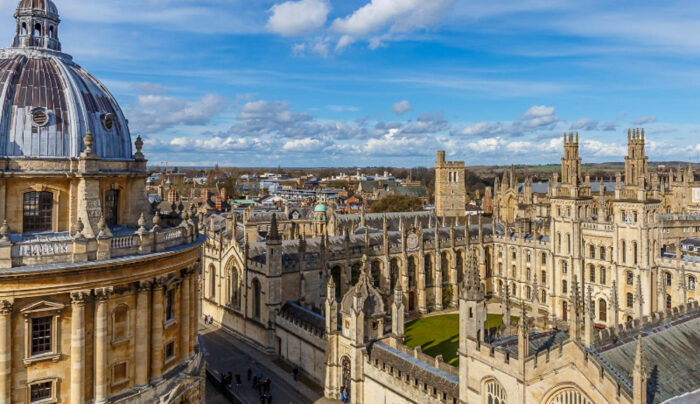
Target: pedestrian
x=296, y=374
x=268, y=382
x=238, y=382
x=250, y=373
x=260, y=387
x=262, y=399
x=255, y=382
x=269, y=399
x=229, y=379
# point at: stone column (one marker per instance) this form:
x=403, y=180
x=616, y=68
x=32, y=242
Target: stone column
x=194, y=319
x=101, y=297
x=197, y=312
x=141, y=334
x=77, y=347
x=5, y=352
x=157, y=331
x=185, y=315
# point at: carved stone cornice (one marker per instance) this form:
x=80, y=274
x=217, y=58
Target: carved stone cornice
x=5, y=307
x=144, y=286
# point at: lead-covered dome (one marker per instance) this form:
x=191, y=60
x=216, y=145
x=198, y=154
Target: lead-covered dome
x=47, y=102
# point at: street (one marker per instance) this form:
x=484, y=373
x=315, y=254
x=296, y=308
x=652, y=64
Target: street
x=226, y=353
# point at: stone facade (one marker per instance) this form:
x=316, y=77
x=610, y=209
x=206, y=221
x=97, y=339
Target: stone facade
x=98, y=298
x=450, y=189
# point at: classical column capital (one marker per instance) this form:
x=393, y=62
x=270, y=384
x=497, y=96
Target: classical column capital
x=144, y=286
x=159, y=282
x=5, y=307
x=103, y=293
x=79, y=297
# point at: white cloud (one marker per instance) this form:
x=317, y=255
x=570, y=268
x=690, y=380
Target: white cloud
x=304, y=145
x=402, y=107
x=154, y=113
x=487, y=145
x=644, y=120
x=538, y=117
x=381, y=19
x=293, y=18
x=585, y=124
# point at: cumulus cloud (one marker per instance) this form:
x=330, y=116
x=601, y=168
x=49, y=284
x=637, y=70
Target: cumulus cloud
x=395, y=144
x=585, y=124
x=154, y=113
x=538, y=117
x=644, y=120
x=425, y=124
x=293, y=18
x=304, y=145
x=486, y=145
x=402, y=107
x=609, y=126
x=381, y=19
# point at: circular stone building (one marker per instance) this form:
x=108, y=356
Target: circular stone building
x=98, y=297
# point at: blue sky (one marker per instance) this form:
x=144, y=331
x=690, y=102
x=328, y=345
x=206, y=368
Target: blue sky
x=389, y=82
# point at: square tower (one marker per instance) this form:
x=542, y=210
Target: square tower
x=450, y=188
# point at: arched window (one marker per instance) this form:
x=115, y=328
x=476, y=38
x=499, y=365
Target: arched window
x=602, y=253
x=635, y=251
x=623, y=247
x=527, y=274
x=591, y=271
x=335, y=273
x=602, y=310
x=37, y=211
x=543, y=298
x=412, y=272
x=564, y=287
x=376, y=272
x=543, y=276
x=112, y=207
x=630, y=278
x=544, y=259
x=528, y=292
x=564, y=267
x=37, y=30
x=346, y=381
x=630, y=299
x=592, y=251
x=691, y=283
x=500, y=287
x=459, y=263
x=393, y=272
x=668, y=301
x=514, y=289
x=355, y=273
x=23, y=30
x=667, y=279
x=256, y=299
x=603, y=277
x=212, y=282
x=500, y=269
x=428, y=268
x=569, y=396
x=120, y=323
x=445, y=266
x=235, y=289
x=494, y=393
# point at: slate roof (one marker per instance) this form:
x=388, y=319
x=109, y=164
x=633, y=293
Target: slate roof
x=539, y=341
x=672, y=355
x=418, y=369
x=304, y=317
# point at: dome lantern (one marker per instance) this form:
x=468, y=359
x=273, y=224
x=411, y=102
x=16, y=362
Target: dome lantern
x=37, y=25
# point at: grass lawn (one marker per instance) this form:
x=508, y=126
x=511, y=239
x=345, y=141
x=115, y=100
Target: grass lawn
x=439, y=335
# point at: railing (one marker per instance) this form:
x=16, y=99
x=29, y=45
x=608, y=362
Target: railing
x=63, y=248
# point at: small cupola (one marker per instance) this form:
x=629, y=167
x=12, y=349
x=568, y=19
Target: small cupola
x=37, y=25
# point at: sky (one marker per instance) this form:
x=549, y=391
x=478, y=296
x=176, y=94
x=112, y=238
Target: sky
x=306, y=83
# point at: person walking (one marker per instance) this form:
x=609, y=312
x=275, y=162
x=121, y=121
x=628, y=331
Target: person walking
x=296, y=374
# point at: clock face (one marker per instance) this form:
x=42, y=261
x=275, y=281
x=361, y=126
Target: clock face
x=412, y=241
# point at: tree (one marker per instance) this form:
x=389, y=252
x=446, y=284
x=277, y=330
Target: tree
x=396, y=203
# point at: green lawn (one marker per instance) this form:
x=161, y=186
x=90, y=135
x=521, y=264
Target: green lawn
x=439, y=335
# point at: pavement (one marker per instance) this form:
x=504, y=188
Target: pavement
x=225, y=352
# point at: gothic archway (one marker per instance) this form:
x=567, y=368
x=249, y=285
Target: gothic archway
x=494, y=393
x=569, y=395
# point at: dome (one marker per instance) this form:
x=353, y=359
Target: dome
x=46, y=6
x=47, y=102
x=321, y=207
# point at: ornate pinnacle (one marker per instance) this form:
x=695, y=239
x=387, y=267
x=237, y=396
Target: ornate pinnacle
x=156, y=220
x=88, y=140
x=139, y=145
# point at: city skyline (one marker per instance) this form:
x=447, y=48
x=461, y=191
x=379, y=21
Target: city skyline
x=380, y=83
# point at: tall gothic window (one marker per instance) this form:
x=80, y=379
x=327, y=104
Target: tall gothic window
x=691, y=283
x=256, y=299
x=112, y=207
x=630, y=299
x=495, y=393
x=602, y=276
x=570, y=396
x=602, y=310
x=428, y=268
x=347, y=376
x=36, y=212
x=212, y=282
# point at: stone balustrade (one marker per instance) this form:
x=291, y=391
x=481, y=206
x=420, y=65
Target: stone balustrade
x=63, y=248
